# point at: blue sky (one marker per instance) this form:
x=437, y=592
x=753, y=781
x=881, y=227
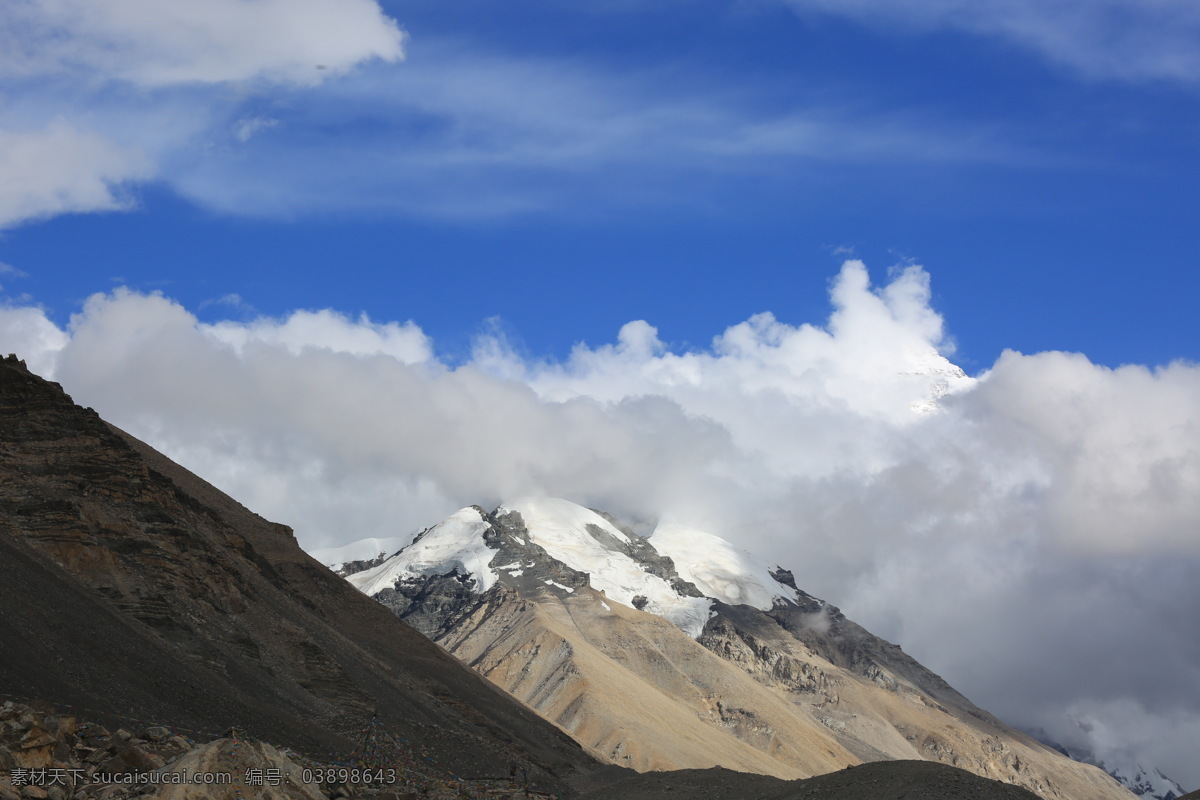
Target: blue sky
x=363, y=263
x=690, y=163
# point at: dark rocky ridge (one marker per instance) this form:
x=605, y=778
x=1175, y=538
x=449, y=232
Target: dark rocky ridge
x=892, y=780
x=128, y=584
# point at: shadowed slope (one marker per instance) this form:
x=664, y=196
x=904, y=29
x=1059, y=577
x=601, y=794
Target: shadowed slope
x=892, y=780
x=128, y=584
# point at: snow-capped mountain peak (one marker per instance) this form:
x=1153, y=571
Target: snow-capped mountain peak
x=455, y=543
x=676, y=574
x=615, y=560
x=1147, y=783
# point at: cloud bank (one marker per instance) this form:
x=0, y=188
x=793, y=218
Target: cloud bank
x=1031, y=533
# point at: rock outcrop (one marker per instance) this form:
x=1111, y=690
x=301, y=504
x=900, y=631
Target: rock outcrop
x=53, y=756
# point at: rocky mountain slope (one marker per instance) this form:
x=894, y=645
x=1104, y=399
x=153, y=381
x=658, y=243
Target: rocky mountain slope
x=49, y=756
x=129, y=585
x=679, y=651
x=46, y=755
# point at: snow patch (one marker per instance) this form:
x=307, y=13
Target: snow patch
x=718, y=569
x=560, y=527
x=456, y=543
x=1147, y=783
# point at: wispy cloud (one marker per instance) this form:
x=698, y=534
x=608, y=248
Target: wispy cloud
x=155, y=44
x=248, y=127
x=459, y=132
x=91, y=90
x=184, y=94
x=1130, y=40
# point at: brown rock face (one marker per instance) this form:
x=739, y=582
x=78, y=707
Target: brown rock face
x=130, y=586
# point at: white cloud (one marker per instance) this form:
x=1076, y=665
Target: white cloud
x=99, y=96
x=1120, y=445
x=25, y=331
x=249, y=127
x=9, y=269
x=1035, y=540
x=328, y=330
x=1121, y=39
x=61, y=169
x=154, y=44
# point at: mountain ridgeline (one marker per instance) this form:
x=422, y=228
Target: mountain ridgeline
x=679, y=651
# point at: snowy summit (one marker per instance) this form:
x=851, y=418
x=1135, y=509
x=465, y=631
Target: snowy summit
x=676, y=574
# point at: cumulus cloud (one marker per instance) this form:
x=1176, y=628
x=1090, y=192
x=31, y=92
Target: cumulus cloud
x=1121, y=39
x=1030, y=532
x=328, y=330
x=27, y=332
